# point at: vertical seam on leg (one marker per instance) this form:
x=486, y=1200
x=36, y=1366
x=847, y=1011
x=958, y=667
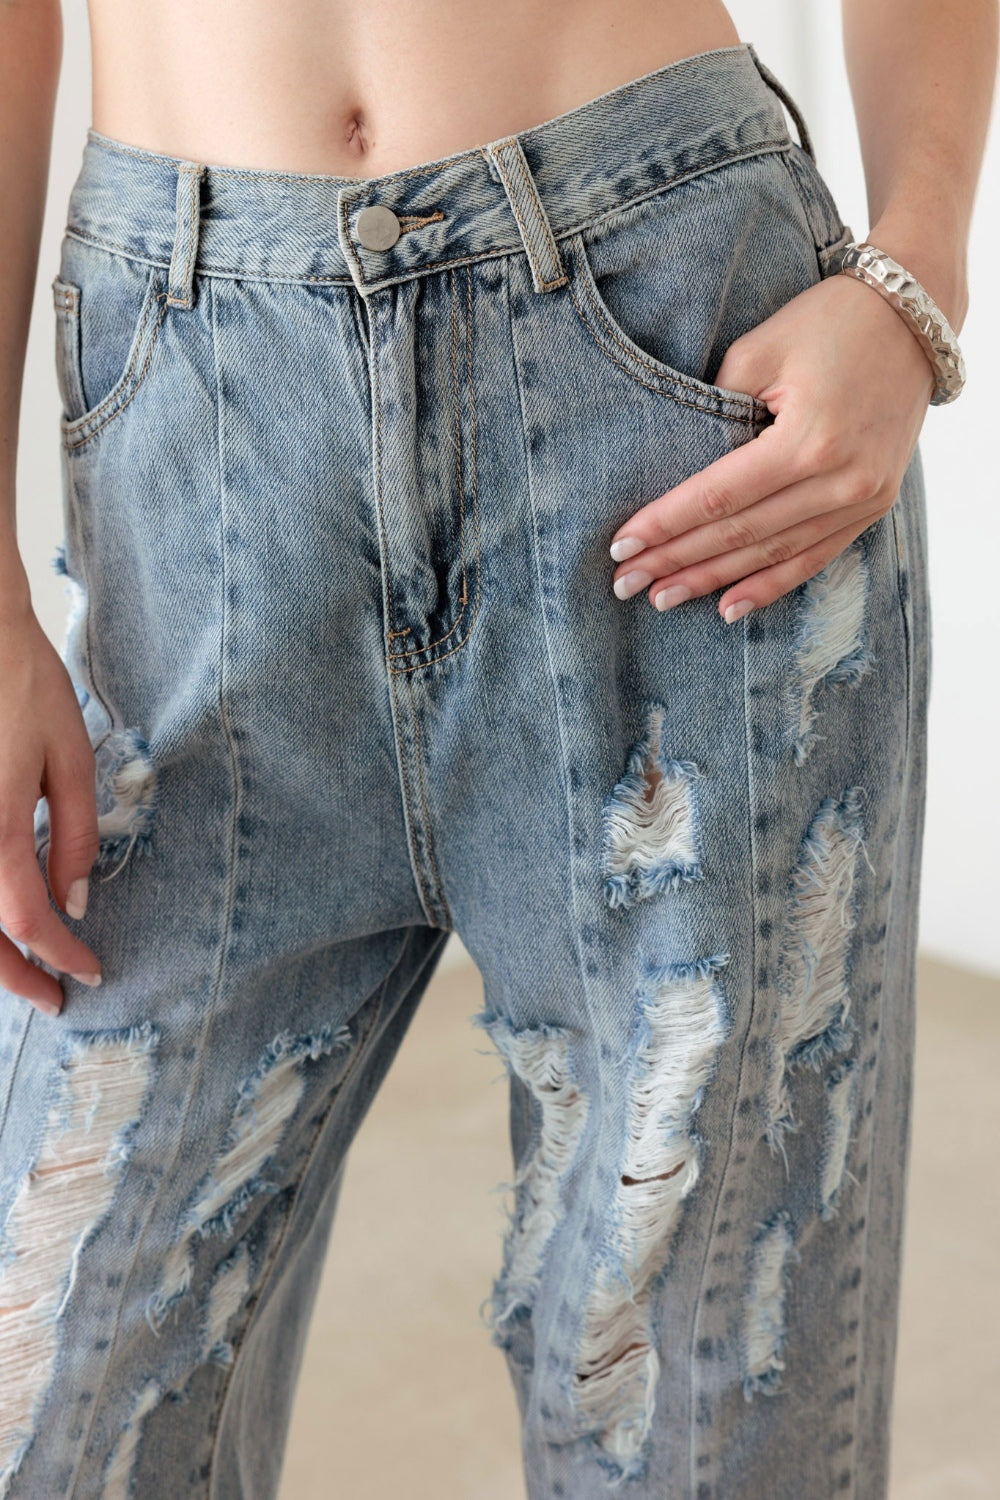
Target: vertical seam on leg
x=692, y=1362
x=223, y=938
x=600, y=1093
x=428, y=831
x=273, y=1258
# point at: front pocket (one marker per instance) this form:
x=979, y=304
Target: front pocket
x=664, y=285
x=109, y=312
x=636, y=361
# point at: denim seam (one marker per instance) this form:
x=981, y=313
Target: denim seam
x=671, y=395
x=220, y=970
x=267, y=1273
x=425, y=899
x=74, y=437
x=693, y=1364
x=456, y=408
x=441, y=903
x=416, y=864
x=604, y=1114
x=760, y=149
x=873, y=1094
x=462, y=528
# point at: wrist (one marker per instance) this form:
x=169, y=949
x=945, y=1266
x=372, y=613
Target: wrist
x=15, y=590
x=940, y=268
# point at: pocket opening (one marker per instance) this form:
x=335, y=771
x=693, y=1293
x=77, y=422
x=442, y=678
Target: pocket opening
x=622, y=349
x=107, y=327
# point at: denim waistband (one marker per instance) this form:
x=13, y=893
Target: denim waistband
x=521, y=192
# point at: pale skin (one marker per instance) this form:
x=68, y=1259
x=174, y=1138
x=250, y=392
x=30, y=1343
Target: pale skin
x=365, y=87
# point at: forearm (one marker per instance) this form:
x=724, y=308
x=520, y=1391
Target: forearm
x=30, y=58
x=922, y=75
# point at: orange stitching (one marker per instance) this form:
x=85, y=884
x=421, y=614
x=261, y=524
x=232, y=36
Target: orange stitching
x=417, y=221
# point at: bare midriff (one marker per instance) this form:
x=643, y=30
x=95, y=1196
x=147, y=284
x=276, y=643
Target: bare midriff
x=360, y=88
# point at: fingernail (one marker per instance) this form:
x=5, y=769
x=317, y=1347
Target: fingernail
x=626, y=546
x=47, y=1007
x=91, y=979
x=631, y=583
x=675, y=594
x=737, y=610
x=76, y=899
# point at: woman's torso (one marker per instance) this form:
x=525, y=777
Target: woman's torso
x=364, y=87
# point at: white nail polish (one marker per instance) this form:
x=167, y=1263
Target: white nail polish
x=626, y=546
x=631, y=583
x=738, y=610
x=675, y=594
x=76, y=899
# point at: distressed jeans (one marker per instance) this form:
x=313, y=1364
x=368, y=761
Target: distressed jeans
x=338, y=493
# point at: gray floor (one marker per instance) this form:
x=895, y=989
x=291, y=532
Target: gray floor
x=402, y=1393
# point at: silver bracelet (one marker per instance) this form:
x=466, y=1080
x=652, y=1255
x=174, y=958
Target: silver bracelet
x=925, y=319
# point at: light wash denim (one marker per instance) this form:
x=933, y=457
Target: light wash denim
x=342, y=629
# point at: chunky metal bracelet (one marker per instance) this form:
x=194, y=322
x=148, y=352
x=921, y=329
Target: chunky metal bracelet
x=926, y=320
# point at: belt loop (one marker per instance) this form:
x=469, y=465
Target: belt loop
x=805, y=140
x=180, y=292
x=508, y=160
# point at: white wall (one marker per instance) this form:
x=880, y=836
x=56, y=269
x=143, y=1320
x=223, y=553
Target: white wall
x=961, y=883
x=801, y=42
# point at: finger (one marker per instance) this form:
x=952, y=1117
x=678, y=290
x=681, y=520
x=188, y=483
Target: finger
x=70, y=791
x=29, y=917
x=751, y=472
x=774, y=551
x=840, y=497
x=770, y=583
x=19, y=975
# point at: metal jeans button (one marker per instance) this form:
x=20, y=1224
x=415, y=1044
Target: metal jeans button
x=378, y=227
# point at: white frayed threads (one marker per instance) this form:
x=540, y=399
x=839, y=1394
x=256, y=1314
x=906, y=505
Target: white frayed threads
x=841, y=1091
x=829, y=646
x=265, y=1104
x=99, y=1096
x=127, y=794
x=650, y=841
x=764, y=1329
x=540, y=1058
x=118, y=1478
x=226, y=1297
x=813, y=1019
x=683, y=1024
